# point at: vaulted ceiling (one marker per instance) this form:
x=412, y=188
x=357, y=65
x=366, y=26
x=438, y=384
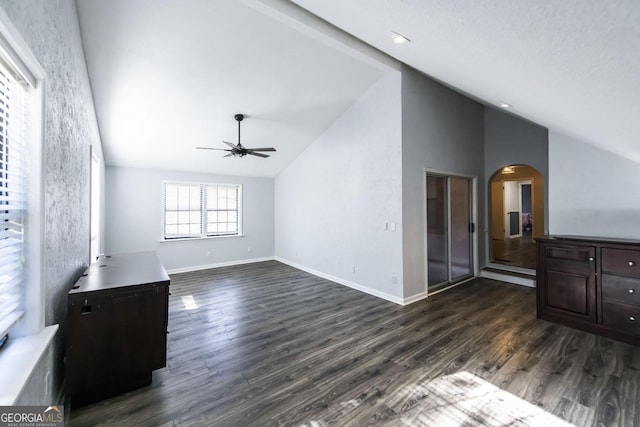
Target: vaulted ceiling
x=168, y=76
x=571, y=65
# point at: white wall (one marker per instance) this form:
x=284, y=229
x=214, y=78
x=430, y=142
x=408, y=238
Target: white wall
x=511, y=196
x=333, y=201
x=134, y=219
x=443, y=130
x=511, y=204
x=592, y=192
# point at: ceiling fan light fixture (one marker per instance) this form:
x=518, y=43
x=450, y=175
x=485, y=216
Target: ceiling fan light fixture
x=238, y=150
x=398, y=38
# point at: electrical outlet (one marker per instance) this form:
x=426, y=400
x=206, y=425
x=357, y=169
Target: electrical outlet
x=208, y=254
x=353, y=268
x=249, y=249
x=394, y=280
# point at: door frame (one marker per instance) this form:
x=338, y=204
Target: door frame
x=474, y=218
x=539, y=209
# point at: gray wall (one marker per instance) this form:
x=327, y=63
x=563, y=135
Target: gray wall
x=134, y=218
x=592, y=192
x=441, y=129
x=333, y=201
x=51, y=30
x=509, y=140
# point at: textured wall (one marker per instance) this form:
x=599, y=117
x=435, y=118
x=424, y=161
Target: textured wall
x=134, y=218
x=443, y=130
x=333, y=201
x=51, y=30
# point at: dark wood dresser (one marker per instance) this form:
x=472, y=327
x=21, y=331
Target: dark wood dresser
x=116, y=330
x=590, y=283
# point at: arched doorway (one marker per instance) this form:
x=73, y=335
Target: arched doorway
x=516, y=215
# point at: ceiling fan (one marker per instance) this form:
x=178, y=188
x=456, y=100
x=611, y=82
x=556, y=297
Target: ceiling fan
x=239, y=150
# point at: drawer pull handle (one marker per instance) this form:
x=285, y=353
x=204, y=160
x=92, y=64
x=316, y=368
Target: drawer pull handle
x=631, y=291
x=591, y=258
x=631, y=263
x=632, y=318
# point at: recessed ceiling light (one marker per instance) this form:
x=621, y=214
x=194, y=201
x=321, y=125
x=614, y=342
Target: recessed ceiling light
x=505, y=105
x=398, y=38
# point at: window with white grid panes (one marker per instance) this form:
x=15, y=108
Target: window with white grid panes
x=222, y=210
x=182, y=211
x=199, y=210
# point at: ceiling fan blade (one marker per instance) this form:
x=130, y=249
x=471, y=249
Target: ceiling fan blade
x=257, y=154
x=230, y=144
x=228, y=155
x=211, y=148
x=262, y=149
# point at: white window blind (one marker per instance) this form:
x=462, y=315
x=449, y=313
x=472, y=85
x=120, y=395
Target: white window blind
x=201, y=210
x=14, y=169
x=182, y=211
x=222, y=210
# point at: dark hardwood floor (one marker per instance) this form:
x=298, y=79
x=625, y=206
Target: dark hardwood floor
x=271, y=345
x=517, y=252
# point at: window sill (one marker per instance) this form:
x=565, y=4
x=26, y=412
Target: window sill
x=18, y=359
x=189, y=239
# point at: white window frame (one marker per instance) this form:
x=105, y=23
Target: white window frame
x=238, y=211
x=18, y=58
x=204, y=234
x=95, y=235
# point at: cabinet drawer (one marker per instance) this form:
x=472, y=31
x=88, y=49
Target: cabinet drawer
x=621, y=289
x=621, y=261
x=567, y=253
x=622, y=317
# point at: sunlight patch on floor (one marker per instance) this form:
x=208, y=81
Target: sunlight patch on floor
x=189, y=302
x=465, y=399
x=460, y=399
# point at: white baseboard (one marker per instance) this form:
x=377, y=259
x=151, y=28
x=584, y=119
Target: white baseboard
x=508, y=268
x=218, y=265
x=352, y=285
x=531, y=283
x=414, y=298
x=344, y=282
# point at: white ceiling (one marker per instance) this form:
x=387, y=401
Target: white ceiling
x=169, y=75
x=570, y=65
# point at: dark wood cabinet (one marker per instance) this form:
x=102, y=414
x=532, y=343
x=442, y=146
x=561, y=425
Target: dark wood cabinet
x=591, y=284
x=568, y=282
x=116, y=326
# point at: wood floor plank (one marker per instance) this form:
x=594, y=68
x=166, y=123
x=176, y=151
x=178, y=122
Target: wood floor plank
x=266, y=344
